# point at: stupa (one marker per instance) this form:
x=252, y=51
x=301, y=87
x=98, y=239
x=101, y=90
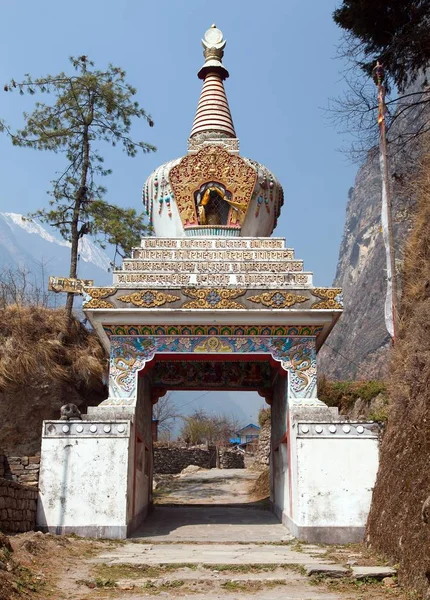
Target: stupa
x=210, y=288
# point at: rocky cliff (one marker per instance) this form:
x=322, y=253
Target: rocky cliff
x=357, y=347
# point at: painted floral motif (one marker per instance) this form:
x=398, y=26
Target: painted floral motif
x=236, y=330
x=129, y=355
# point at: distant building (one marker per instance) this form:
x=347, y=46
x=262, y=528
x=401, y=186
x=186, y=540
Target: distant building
x=248, y=434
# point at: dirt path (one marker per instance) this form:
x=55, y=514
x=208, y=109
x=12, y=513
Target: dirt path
x=234, y=550
x=206, y=486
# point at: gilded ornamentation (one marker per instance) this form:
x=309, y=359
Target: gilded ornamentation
x=93, y=297
x=212, y=163
x=213, y=298
x=213, y=344
x=98, y=292
x=98, y=303
x=148, y=298
x=330, y=298
x=277, y=299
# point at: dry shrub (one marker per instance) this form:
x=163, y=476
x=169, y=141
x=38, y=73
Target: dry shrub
x=260, y=488
x=37, y=347
x=395, y=526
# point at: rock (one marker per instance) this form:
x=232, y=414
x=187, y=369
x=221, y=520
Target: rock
x=360, y=341
x=389, y=582
x=334, y=571
x=190, y=469
x=5, y=542
x=425, y=512
x=373, y=572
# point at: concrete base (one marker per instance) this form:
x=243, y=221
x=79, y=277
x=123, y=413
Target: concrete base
x=112, y=532
x=320, y=535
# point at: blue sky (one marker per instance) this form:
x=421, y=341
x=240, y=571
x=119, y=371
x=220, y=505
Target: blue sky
x=281, y=58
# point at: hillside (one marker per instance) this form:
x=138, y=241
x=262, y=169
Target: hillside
x=399, y=525
x=357, y=347
x=42, y=367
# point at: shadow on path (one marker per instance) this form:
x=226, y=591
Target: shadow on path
x=217, y=523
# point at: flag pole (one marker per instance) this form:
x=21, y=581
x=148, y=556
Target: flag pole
x=391, y=314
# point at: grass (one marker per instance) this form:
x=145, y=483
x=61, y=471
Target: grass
x=35, y=340
x=344, y=394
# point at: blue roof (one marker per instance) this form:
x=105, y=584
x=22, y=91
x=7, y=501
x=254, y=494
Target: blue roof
x=234, y=440
x=247, y=426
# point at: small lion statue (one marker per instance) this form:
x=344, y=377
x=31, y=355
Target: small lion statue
x=70, y=412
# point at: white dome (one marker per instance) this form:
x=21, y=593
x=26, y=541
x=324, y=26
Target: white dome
x=259, y=219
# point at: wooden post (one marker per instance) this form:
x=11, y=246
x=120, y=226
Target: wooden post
x=387, y=209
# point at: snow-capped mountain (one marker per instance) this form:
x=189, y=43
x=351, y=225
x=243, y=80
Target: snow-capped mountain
x=40, y=249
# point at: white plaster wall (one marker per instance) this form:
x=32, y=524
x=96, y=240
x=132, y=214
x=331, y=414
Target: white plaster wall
x=131, y=461
x=335, y=478
x=279, y=451
x=83, y=483
x=280, y=478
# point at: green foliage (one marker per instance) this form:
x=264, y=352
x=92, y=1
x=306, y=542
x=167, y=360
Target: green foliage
x=264, y=415
x=343, y=394
x=121, y=227
x=396, y=32
x=88, y=108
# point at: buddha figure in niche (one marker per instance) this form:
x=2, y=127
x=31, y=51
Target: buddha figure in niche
x=213, y=203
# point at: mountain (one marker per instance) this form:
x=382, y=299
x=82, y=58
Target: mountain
x=39, y=249
x=357, y=347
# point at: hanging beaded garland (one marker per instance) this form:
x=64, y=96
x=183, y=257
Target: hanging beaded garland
x=259, y=203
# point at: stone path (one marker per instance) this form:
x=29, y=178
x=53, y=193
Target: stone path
x=233, y=549
x=218, y=570
x=204, y=523
x=212, y=554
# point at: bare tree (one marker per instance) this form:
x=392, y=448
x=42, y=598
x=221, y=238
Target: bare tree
x=355, y=113
x=18, y=285
x=201, y=428
x=164, y=411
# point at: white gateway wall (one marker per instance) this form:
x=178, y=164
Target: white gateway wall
x=333, y=472
x=83, y=478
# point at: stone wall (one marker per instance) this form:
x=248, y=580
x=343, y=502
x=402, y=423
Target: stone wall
x=231, y=459
x=173, y=460
x=17, y=507
x=262, y=456
x=23, y=469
